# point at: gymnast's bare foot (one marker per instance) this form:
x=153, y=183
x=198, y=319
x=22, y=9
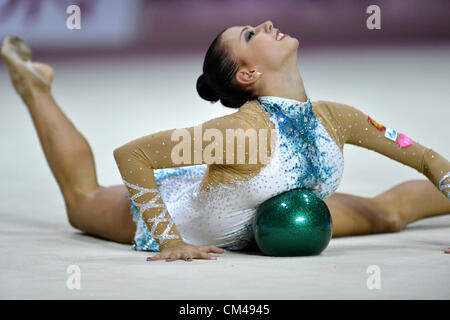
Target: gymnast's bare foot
x=25, y=74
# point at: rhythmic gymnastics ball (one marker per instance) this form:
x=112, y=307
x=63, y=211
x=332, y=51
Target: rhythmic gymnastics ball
x=293, y=223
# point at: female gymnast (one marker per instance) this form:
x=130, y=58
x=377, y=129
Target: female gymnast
x=189, y=198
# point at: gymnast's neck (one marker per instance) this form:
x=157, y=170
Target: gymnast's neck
x=286, y=83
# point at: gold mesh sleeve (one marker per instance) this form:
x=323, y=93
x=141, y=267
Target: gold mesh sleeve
x=195, y=145
x=350, y=125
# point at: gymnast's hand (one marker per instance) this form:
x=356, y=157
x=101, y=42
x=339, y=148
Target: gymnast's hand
x=187, y=252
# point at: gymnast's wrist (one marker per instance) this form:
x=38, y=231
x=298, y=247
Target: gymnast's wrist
x=167, y=244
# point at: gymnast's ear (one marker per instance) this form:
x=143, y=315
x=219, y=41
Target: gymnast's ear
x=247, y=77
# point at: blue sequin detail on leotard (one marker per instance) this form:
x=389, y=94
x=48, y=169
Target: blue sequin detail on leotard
x=297, y=128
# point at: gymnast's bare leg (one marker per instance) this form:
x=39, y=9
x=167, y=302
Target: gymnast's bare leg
x=97, y=210
x=390, y=211
x=104, y=211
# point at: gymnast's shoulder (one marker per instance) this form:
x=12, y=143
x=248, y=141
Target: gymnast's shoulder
x=253, y=113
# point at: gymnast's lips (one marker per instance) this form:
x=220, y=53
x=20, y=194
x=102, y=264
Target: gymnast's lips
x=277, y=33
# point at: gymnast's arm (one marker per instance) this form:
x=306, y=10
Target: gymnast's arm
x=138, y=159
x=355, y=127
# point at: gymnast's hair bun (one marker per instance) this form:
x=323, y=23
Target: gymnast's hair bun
x=205, y=91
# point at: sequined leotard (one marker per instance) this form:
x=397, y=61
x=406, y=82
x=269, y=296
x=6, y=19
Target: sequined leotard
x=215, y=203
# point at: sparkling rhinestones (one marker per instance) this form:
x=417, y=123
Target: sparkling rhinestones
x=163, y=216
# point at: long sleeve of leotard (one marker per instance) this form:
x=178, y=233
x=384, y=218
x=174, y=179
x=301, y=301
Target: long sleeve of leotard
x=349, y=125
x=202, y=144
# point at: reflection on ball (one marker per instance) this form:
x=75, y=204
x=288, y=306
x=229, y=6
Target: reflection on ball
x=294, y=223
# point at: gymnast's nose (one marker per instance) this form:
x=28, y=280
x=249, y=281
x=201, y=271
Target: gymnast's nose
x=268, y=26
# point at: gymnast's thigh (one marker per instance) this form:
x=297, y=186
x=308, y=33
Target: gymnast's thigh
x=353, y=215
x=105, y=213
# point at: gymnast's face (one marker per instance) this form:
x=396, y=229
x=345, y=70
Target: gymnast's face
x=262, y=48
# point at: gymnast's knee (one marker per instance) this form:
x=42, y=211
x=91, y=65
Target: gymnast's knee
x=389, y=224
x=72, y=217
x=75, y=208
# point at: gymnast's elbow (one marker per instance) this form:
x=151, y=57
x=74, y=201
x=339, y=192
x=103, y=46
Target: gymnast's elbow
x=124, y=151
x=130, y=152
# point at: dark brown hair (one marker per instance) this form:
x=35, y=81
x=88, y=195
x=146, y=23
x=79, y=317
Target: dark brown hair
x=218, y=79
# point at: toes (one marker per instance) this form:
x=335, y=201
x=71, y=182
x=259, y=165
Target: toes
x=19, y=47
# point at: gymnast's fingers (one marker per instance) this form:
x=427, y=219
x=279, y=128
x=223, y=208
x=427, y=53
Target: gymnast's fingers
x=213, y=249
x=204, y=255
x=155, y=257
x=162, y=255
x=173, y=256
x=447, y=251
x=187, y=257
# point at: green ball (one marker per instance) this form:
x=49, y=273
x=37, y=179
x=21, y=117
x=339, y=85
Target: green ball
x=293, y=223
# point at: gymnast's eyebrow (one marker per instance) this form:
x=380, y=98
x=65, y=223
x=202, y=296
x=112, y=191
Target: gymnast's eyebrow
x=243, y=29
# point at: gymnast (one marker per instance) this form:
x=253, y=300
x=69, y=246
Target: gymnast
x=201, y=205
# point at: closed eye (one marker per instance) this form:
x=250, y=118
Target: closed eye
x=250, y=34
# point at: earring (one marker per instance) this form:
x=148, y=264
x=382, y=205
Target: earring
x=257, y=72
